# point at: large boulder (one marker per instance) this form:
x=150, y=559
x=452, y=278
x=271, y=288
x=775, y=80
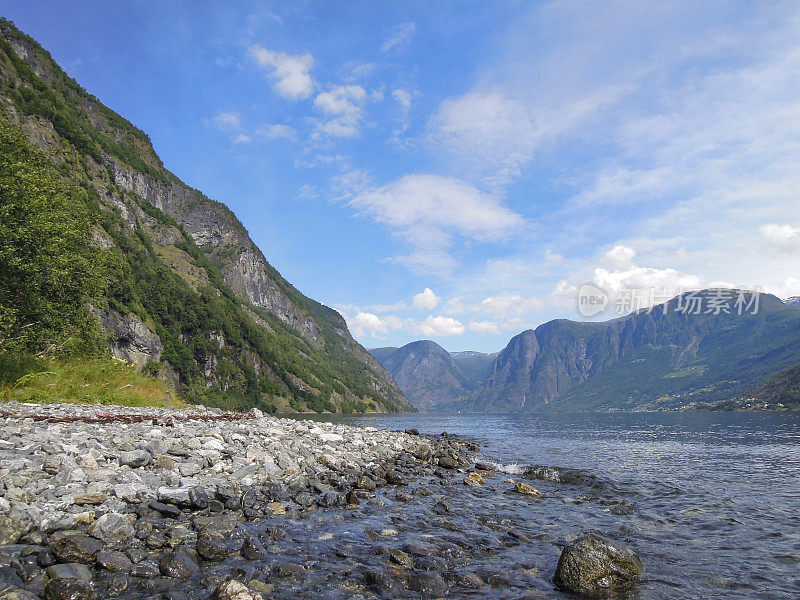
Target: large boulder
x=593, y=565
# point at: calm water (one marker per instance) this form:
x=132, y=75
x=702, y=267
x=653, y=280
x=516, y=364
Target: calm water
x=710, y=501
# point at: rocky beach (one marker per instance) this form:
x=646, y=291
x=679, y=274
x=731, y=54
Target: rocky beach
x=102, y=502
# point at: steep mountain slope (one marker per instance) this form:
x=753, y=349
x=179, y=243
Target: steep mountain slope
x=475, y=366
x=428, y=375
x=188, y=294
x=782, y=390
x=658, y=359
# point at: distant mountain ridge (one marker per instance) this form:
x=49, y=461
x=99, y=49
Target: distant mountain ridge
x=429, y=375
x=666, y=358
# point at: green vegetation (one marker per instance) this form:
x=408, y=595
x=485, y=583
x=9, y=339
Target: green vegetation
x=782, y=388
x=48, y=272
x=88, y=381
x=73, y=243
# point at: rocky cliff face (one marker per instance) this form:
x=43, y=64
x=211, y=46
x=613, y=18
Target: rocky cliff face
x=657, y=359
x=189, y=290
x=430, y=376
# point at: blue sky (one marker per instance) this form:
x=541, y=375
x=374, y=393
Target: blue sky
x=457, y=170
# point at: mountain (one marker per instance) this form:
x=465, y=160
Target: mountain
x=665, y=358
x=431, y=377
x=186, y=293
x=782, y=390
x=793, y=300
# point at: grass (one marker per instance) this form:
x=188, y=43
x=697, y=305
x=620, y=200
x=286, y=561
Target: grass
x=90, y=381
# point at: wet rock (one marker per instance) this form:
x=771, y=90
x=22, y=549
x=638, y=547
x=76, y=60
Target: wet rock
x=448, y=462
x=198, y=498
x=178, y=565
x=147, y=569
x=112, y=527
x=366, y=483
x=12, y=593
x=252, y=548
x=235, y=590
x=135, y=458
x=401, y=558
x=69, y=571
x=75, y=548
x=428, y=582
x=215, y=546
x=113, y=561
x=527, y=490
x=474, y=479
x=69, y=589
x=592, y=565
x=395, y=478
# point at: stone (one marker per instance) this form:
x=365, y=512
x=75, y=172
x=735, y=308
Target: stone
x=176, y=496
x=69, y=589
x=69, y=571
x=593, y=564
x=13, y=593
x=164, y=462
x=112, y=527
x=113, y=561
x=395, y=478
x=401, y=558
x=135, y=458
x=75, y=548
x=474, y=479
x=527, y=490
x=198, y=498
x=447, y=462
x=166, y=510
x=178, y=565
x=12, y=530
x=253, y=549
x=428, y=582
x=147, y=569
x=276, y=508
x=215, y=546
x=235, y=590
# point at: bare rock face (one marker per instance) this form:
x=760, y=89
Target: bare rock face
x=131, y=339
x=593, y=566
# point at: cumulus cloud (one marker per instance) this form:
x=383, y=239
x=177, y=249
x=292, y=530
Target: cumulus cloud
x=511, y=304
x=621, y=256
x=344, y=104
x=426, y=300
x=291, y=72
x=369, y=324
x=439, y=326
x=400, y=37
x=784, y=237
x=427, y=210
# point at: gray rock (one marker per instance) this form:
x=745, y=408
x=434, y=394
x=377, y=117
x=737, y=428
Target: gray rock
x=13, y=593
x=253, y=549
x=112, y=527
x=75, y=548
x=135, y=458
x=180, y=565
x=147, y=569
x=235, y=590
x=428, y=582
x=593, y=565
x=177, y=496
x=11, y=530
x=114, y=561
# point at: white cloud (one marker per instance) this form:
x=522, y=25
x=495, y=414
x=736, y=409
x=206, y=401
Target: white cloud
x=364, y=323
x=439, y=326
x=553, y=257
x=403, y=98
x=785, y=237
x=427, y=210
x=426, y=300
x=344, y=103
x=228, y=121
x=277, y=131
x=487, y=327
x=400, y=37
x=291, y=72
x=242, y=138
x=621, y=256
x=514, y=304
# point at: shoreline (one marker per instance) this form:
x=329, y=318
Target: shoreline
x=102, y=499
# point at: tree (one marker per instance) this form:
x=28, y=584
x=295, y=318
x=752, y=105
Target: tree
x=48, y=269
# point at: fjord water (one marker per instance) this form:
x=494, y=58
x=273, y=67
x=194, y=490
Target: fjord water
x=710, y=501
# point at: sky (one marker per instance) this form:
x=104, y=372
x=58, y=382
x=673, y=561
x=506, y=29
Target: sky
x=457, y=171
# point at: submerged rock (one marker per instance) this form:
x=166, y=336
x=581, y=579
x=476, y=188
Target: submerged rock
x=592, y=565
x=527, y=490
